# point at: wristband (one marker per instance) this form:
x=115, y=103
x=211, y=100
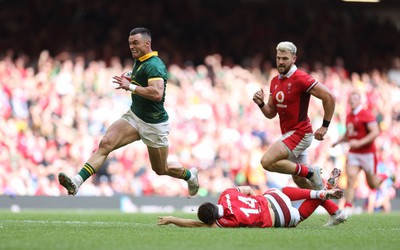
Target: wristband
x=325, y=123
x=261, y=105
x=132, y=87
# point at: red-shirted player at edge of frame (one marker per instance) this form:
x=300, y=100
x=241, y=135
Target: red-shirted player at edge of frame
x=289, y=97
x=361, y=130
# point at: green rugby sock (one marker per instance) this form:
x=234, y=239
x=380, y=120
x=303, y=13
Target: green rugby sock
x=86, y=171
x=186, y=175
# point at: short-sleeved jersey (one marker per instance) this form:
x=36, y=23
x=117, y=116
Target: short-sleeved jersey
x=145, y=69
x=291, y=97
x=243, y=211
x=357, y=128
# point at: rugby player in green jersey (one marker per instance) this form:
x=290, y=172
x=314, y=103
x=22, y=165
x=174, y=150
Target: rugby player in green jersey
x=146, y=120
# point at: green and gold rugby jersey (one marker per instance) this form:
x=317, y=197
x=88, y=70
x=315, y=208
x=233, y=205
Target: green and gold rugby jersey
x=147, y=67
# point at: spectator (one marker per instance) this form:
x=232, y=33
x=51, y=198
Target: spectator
x=64, y=130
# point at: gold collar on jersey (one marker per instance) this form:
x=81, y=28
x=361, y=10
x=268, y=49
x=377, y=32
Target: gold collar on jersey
x=148, y=55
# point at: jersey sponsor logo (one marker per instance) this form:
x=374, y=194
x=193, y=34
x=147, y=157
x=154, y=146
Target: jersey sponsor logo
x=280, y=97
x=228, y=201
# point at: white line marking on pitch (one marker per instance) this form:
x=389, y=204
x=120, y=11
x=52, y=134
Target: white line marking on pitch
x=74, y=222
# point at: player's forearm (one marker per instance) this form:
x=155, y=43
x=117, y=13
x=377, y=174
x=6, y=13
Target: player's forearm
x=369, y=138
x=151, y=93
x=181, y=222
x=268, y=111
x=328, y=104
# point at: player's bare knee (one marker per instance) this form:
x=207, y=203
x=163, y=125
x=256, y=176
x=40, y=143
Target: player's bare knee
x=267, y=164
x=105, y=146
x=351, y=178
x=351, y=181
x=160, y=171
x=374, y=184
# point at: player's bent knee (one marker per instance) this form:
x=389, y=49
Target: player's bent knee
x=373, y=185
x=351, y=180
x=161, y=171
x=267, y=165
x=105, y=146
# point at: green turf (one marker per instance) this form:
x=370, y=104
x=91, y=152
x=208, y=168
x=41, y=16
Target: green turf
x=117, y=231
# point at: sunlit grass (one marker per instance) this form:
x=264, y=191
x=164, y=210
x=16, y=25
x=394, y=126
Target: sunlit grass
x=116, y=231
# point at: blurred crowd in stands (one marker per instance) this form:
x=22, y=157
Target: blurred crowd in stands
x=55, y=107
x=52, y=118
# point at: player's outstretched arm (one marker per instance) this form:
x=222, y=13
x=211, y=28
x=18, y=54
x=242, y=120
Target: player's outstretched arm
x=181, y=222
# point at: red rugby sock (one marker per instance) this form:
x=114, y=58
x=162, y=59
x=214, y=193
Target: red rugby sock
x=301, y=170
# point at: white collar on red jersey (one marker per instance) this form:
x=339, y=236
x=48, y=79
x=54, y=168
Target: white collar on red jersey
x=220, y=211
x=290, y=72
x=357, y=110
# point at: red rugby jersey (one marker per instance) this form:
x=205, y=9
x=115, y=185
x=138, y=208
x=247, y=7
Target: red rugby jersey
x=357, y=128
x=291, y=98
x=243, y=211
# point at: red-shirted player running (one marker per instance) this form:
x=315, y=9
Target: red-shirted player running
x=289, y=97
x=361, y=131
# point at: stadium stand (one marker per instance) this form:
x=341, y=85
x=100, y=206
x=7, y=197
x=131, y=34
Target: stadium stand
x=57, y=59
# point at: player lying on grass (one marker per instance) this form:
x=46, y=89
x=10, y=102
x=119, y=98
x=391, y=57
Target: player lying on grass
x=240, y=207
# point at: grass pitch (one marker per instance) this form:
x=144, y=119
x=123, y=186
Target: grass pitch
x=118, y=231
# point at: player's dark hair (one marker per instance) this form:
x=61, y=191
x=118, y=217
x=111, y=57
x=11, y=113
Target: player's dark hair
x=208, y=213
x=140, y=30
